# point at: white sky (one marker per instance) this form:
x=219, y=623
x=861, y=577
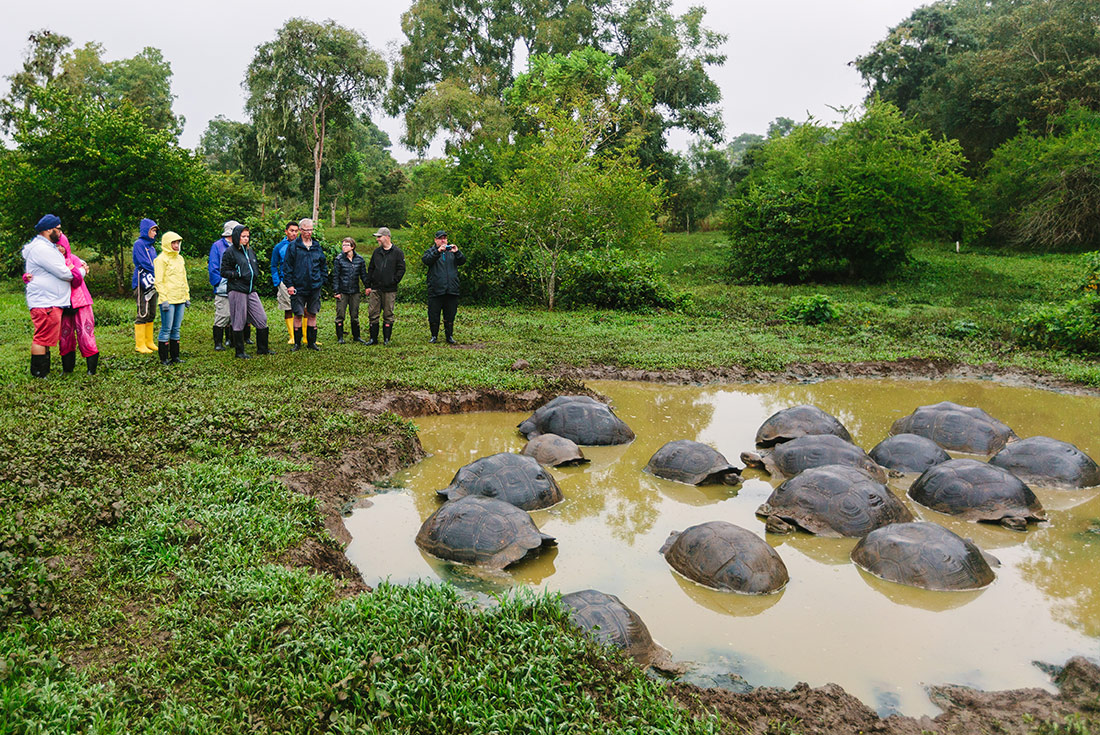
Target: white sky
x=784, y=57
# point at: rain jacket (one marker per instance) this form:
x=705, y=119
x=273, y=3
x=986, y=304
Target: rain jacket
x=305, y=268
x=278, y=255
x=80, y=295
x=346, y=274
x=171, y=273
x=442, y=271
x=51, y=280
x=386, y=269
x=145, y=250
x=240, y=267
x=214, y=265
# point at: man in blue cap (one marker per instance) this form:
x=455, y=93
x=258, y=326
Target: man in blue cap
x=49, y=290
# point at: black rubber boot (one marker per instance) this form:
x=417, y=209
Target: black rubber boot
x=68, y=362
x=311, y=339
x=449, y=330
x=238, y=345
x=93, y=363
x=339, y=333
x=174, y=351
x=356, y=335
x=262, y=347
x=248, y=334
x=40, y=366
x=163, y=353
x=387, y=332
x=297, y=340
x=219, y=334
x=373, y=335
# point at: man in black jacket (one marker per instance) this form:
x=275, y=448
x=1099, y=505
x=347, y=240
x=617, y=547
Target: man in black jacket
x=304, y=271
x=442, y=260
x=386, y=269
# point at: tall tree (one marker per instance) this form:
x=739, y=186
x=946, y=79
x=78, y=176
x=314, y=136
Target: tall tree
x=310, y=77
x=40, y=64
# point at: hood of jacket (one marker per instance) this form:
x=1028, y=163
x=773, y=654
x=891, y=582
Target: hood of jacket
x=166, y=241
x=146, y=225
x=36, y=242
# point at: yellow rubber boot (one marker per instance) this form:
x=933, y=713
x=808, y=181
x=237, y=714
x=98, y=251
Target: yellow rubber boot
x=290, y=330
x=150, y=337
x=139, y=339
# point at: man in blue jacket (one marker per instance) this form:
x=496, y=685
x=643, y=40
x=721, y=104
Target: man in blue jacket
x=442, y=259
x=278, y=255
x=145, y=250
x=219, y=284
x=304, y=271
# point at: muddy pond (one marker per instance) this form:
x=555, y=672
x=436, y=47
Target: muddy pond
x=881, y=641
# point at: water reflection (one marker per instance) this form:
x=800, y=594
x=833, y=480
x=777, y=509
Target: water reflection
x=882, y=641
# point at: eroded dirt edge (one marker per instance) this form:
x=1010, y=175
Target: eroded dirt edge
x=828, y=709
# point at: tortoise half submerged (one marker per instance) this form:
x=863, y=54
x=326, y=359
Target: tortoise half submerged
x=582, y=420
x=956, y=428
x=924, y=555
x=794, y=456
x=694, y=463
x=1040, y=460
x=977, y=491
x=513, y=478
x=796, y=421
x=554, y=451
x=908, y=453
x=726, y=557
x=612, y=623
x=481, y=531
x=833, y=500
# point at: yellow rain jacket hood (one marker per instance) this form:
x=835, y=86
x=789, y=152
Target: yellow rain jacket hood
x=170, y=273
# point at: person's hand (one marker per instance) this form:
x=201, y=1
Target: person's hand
x=337, y=295
x=291, y=290
x=27, y=278
x=367, y=292
x=443, y=247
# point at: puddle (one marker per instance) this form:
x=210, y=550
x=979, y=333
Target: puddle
x=881, y=641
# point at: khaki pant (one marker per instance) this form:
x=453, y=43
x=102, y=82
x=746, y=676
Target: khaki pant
x=221, y=310
x=282, y=300
x=381, y=302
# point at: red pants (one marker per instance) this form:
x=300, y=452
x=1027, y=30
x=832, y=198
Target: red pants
x=78, y=330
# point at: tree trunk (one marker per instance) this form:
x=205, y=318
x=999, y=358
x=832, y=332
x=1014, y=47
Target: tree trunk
x=318, y=155
x=332, y=213
x=552, y=286
x=263, y=199
x=347, y=212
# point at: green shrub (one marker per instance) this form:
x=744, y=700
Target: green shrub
x=1073, y=326
x=816, y=309
x=611, y=278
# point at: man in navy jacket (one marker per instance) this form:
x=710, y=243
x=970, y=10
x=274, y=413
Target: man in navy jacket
x=304, y=272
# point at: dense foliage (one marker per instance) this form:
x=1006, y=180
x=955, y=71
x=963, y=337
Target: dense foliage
x=1073, y=325
x=846, y=204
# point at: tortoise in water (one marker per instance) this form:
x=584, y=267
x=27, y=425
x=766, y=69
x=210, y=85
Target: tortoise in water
x=908, y=453
x=528, y=425
x=612, y=623
x=796, y=421
x=693, y=463
x=513, y=478
x=794, y=456
x=481, y=531
x=956, y=428
x=586, y=422
x=1040, y=460
x=554, y=451
x=832, y=500
x=726, y=557
x=924, y=555
x=977, y=491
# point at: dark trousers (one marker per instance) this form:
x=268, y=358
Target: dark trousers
x=447, y=304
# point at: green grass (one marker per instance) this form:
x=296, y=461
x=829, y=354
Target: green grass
x=142, y=519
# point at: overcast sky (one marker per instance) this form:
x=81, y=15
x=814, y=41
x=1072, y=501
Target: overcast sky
x=784, y=57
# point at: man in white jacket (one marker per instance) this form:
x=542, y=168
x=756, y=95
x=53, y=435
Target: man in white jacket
x=49, y=290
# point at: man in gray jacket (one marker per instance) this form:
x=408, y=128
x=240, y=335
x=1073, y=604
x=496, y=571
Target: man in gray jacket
x=48, y=291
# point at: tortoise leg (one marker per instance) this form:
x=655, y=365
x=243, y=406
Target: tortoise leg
x=1015, y=523
x=777, y=525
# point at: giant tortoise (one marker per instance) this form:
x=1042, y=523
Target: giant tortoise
x=586, y=422
x=513, y=478
x=554, y=451
x=908, y=453
x=726, y=557
x=481, y=531
x=956, y=428
x=791, y=457
x=612, y=623
x=832, y=500
x=796, y=421
x=1040, y=460
x=924, y=555
x=527, y=426
x=977, y=491
x=694, y=463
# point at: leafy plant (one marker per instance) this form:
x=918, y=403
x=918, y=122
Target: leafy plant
x=816, y=309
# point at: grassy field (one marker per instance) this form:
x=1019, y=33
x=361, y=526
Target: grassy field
x=143, y=520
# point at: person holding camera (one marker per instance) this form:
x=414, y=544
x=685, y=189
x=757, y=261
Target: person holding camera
x=442, y=260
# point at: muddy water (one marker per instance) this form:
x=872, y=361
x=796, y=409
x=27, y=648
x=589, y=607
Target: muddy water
x=833, y=623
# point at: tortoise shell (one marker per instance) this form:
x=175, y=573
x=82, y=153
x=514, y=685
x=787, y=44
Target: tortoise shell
x=584, y=422
x=726, y=557
x=693, y=463
x=1040, y=460
x=794, y=456
x=908, y=453
x=924, y=555
x=481, y=531
x=513, y=478
x=833, y=500
x=956, y=428
x=554, y=451
x=977, y=491
x=612, y=623
x=527, y=426
x=796, y=421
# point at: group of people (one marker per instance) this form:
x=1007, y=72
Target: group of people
x=61, y=305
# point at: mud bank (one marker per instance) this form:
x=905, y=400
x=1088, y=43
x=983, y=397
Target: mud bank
x=828, y=709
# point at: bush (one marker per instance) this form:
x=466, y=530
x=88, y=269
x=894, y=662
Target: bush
x=1072, y=327
x=846, y=204
x=613, y=279
x=816, y=309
